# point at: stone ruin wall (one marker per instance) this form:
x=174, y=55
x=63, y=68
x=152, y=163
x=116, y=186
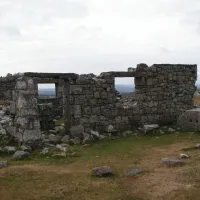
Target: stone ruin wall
x=94, y=105
x=26, y=110
x=164, y=92
x=89, y=102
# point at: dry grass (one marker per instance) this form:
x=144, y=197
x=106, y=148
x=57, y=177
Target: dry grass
x=47, y=178
x=196, y=100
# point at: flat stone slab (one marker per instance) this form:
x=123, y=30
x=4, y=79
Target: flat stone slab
x=133, y=172
x=150, y=128
x=172, y=162
x=183, y=155
x=102, y=171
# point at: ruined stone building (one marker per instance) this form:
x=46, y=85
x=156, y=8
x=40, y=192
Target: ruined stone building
x=88, y=102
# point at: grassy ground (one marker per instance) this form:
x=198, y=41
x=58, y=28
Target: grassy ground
x=48, y=178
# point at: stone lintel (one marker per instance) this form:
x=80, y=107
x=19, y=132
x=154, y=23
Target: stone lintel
x=118, y=74
x=52, y=75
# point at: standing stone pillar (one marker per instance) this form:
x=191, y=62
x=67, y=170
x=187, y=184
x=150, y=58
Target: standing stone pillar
x=27, y=124
x=59, y=88
x=66, y=107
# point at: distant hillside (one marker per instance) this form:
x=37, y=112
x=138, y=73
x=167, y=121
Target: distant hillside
x=46, y=92
x=125, y=88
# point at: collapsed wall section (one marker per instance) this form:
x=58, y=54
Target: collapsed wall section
x=163, y=92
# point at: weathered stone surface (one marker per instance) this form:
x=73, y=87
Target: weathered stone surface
x=190, y=120
x=65, y=139
x=110, y=129
x=54, y=139
x=20, y=155
x=171, y=130
x=75, y=141
x=10, y=130
x=21, y=85
x=62, y=154
x=197, y=145
x=102, y=137
x=133, y=172
x=45, y=151
x=141, y=67
x=27, y=125
x=172, y=162
x=102, y=171
x=95, y=134
x=61, y=147
x=150, y=128
x=183, y=155
x=25, y=148
x=88, y=102
x=87, y=138
x=31, y=135
x=131, y=69
x=2, y=114
x=2, y=132
x=76, y=130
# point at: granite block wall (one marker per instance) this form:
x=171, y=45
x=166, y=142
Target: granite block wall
x=7, y=86
x=163, y=91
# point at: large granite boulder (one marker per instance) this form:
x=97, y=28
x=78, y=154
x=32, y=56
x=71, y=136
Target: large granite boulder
x=190, y=120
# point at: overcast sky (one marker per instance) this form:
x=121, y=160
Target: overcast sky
x=85, y=36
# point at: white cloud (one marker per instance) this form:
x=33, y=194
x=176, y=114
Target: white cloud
x=96, y=35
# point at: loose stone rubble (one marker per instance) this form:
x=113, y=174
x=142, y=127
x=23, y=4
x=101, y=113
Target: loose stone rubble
x=150, y=128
